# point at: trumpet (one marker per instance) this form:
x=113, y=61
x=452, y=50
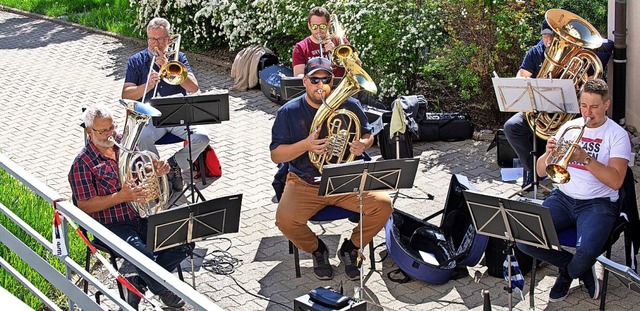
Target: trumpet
x=172, y=72
x=558, y=160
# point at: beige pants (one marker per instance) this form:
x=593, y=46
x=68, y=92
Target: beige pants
x=300, y=201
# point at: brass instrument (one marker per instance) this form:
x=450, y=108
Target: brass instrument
x=137, y=166
x=341, y=126
x=566, y=58
x=172, y=72
x=558, y=160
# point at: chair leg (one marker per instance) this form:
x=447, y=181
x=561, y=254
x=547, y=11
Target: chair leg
x=296, y=258
x=291, y=247
x=203, y=170
x=605, y=278
x=372, y=256
x=87, y=265
x=532, y=287
x=114, y=263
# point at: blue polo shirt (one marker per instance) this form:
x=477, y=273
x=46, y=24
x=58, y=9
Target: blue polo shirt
x=533, y=59
x=292, y=124
x=138, y=70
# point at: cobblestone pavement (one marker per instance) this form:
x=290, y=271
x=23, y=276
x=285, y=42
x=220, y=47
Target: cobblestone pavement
x=54, y=70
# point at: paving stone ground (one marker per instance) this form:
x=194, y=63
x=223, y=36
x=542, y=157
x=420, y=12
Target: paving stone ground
x=54, y=70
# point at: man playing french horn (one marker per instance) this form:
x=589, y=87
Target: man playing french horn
x=291, y=142
x=588, y=201
x=97, y=190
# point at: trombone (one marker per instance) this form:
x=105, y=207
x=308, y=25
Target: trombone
x=172, y=72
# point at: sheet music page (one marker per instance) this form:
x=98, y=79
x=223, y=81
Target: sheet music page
x=511, y=174
x=463, y=180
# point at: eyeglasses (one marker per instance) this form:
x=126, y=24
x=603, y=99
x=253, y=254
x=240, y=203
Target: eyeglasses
x=315, y=26
x=102, y=132
x=161, y=39
x=325, y=80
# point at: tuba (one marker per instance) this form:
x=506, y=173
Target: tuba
x=558, y=160
x=566, y=58
x=340, y=126
x=137, y=166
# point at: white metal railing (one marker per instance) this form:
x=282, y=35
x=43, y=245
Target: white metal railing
x=64, y=283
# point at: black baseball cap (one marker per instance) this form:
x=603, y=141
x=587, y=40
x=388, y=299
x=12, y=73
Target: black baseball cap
x=545, y=29
x=317, y=63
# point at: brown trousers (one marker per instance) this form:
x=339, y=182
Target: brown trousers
x=300, y=201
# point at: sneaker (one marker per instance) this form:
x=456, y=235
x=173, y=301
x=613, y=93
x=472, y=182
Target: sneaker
x=132, y=299
x=349, y=256
x=175, y=175
x=590, y=281
x=560, y=289
x=321, y=267
x=171, y=300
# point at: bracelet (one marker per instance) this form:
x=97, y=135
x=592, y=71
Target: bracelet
x=587, y=160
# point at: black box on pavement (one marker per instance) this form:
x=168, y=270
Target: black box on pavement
x=506, y=154
x=304, y=303
x=496, y=253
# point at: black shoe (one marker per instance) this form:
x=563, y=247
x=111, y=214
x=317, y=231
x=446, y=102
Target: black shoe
x=132, y=299
x=321, y=267
x=348, y=254
x=171, y=300
x=590, y=281
x=175, y=175
x=560, y=289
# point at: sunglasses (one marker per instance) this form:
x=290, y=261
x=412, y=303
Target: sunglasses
x=325, y=80
x=316, y=26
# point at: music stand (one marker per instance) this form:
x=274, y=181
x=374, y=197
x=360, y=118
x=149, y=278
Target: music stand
x=625, y=274
x=513, y=221
x=535, y=95
x=358, y=177
x=192, y=223
x=292, y=87
x=187, y=111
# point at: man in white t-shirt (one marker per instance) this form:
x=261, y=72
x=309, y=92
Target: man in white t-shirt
x=589, y=200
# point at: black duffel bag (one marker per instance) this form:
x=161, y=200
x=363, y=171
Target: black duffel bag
x=445, y=126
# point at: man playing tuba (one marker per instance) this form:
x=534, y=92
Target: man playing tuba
x=96, y=189
x=291, y=141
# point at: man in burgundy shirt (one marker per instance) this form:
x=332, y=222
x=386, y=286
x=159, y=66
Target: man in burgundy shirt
x=97, y=190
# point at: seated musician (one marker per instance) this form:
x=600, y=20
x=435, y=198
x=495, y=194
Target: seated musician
x=138, y=79
x=588, y=201
x=291, y=143
x=319, y=23
x=97, y=190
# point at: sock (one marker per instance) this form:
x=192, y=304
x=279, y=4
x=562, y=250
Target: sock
x=321, y=247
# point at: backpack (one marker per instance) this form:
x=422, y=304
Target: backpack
x=212, y=164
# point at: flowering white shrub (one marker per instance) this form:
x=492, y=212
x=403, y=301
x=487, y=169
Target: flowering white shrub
x=393, y=38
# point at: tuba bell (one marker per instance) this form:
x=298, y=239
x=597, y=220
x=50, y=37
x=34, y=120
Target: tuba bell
x=137, y=166
x=566, y=58
x=558, y=160
x=340, y=126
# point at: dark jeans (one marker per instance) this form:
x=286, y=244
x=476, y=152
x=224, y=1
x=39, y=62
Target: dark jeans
x=134, y=232
x=594, y=220
x=520, y=137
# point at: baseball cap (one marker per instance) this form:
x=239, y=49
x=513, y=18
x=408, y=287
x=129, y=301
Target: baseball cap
x=545, y=29
x=317, y=63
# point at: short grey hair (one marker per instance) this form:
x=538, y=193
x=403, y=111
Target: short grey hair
x=159, y=22
x=96, y=111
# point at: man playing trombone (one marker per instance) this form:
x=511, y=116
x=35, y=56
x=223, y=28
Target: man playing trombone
x=144, y=80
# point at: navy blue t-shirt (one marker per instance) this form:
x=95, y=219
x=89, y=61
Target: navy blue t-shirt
x=293, y=123
x=138, y=70
x=533, y=59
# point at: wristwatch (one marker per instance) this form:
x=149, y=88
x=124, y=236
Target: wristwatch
x=587, y=160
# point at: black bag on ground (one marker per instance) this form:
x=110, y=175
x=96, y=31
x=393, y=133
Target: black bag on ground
x=270, y=82
x=388, y=145
x=445, y=126
x=506, y=154
x=496, y=253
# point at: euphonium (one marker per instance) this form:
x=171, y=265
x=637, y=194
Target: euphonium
x=137, y=166
x=340, y=126
x=566, y=58
x=558, y=160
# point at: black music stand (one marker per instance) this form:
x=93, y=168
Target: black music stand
x=513, y=221
x=625, y=274
x=292, y=87
x=535, y=96
x=192, y=223
x=187, y=111
x=359, y=176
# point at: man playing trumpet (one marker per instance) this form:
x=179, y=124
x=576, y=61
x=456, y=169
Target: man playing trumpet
x=588, y=201
x=96, y=189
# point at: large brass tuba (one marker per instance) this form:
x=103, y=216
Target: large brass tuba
x=558, y=160
x=137, y=166
x=566, y=58
x=340, y=126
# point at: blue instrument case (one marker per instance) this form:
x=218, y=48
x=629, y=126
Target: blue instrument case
x=428, y=252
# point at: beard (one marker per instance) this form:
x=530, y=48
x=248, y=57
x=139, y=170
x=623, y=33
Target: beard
x=103, y=143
